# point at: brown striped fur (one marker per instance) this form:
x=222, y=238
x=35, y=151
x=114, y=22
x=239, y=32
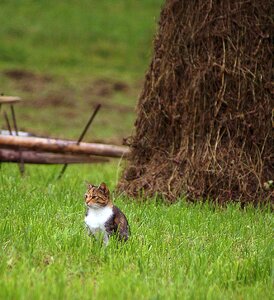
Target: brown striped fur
x=98, y=196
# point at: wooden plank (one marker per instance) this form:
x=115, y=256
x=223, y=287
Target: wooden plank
x=9, y=99
x=63, y=146
x=33, y=157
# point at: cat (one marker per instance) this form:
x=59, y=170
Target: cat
x=102, y=216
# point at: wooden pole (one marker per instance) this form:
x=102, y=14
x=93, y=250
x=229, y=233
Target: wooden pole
x=62, y=146
x=88, y=124
x=21, y=164
x=34, y=157
x=7, y=122
x=82, y=136
x=21, y=169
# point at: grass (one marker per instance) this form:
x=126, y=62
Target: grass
x=183, y=251
x=83, y=37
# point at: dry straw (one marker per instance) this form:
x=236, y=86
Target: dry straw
x=204, y=115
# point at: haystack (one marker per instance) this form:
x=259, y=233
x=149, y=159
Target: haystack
x=204, y=127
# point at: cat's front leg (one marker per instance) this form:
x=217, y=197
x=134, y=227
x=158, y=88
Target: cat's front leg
x=106, y=239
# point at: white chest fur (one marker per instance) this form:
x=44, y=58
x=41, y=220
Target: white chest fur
x=96, y=218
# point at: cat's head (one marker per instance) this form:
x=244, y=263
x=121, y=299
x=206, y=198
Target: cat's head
x=97, y=196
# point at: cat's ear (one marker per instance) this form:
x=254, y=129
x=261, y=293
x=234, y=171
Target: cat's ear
x=89, y=185
x=103, y=187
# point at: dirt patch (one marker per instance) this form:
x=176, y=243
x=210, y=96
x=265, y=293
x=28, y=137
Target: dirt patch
x=119, y=107
x=60, y=97
x=120, y=86
x=105, y=88
x=113, y=106
x=43, y=94
x=102, y=90
x=17, y=74
x=70, y=114
x=27, y=80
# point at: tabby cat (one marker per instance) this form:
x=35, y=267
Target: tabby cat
x=102, y=216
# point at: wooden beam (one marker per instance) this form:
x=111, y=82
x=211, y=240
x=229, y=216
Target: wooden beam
x=33, y=157
x=62, y=146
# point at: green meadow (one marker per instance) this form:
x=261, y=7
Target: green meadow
x=182, y=251
x=63, y=57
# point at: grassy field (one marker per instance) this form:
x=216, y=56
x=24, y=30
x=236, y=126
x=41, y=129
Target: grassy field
x=181, y=251
x=75, y=38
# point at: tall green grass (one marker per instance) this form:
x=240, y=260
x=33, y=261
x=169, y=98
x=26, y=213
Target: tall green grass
x=78, y=37
x=182, y=251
